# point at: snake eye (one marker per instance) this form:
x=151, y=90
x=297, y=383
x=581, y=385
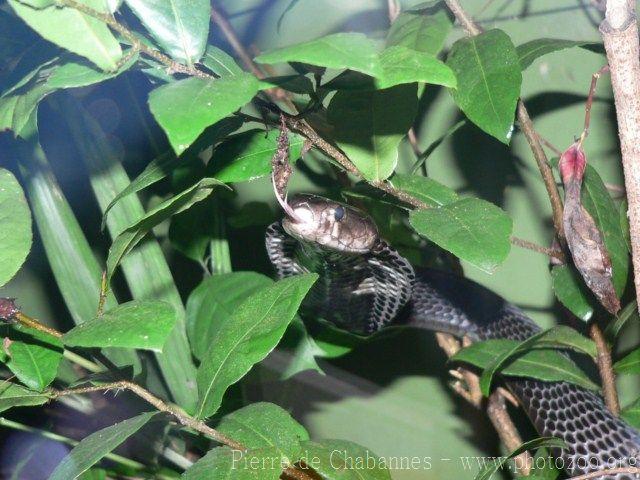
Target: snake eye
x=338, y=213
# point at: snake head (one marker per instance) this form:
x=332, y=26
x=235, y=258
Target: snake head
x=330, y=224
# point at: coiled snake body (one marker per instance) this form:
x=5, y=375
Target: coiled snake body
x=365, y=285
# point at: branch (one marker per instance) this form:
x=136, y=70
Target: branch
x=608, y=472
x=620, y=34
x=134, y=40
x=499, y=416
x=605, y=368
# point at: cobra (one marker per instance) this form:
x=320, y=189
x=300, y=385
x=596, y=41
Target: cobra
x=365, y=285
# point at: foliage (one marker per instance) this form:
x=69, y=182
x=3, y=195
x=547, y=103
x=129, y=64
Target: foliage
x=211, y=124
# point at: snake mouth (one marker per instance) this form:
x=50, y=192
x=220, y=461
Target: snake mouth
x=284, y=203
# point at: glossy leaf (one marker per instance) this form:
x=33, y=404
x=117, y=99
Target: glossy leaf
x=369, y=126
x=15, y=226
x=598, y=202
x=629, y=364
x=426, y=189
x=629, y=312
x=220, y=62
x=341, y=50
x=543, y=364
x=180, y=27
x=492, y=467
x=13, y=395
x=531, y=51
x=403, y=65
x=558, y=337
x=472, y=229
x=336, y=459
x=32, y=356
x=94, y=447
x=186, y=107
x=73, y=74
x=64, y=26
x=630, y=413
x=488, y=73
x=130, y=237
x=223, y=463
x=570, y=289
x=261, y=425
x=137, y=324
x=421, y=32
x=247, y=156
x=247, y=337
x=214, y=301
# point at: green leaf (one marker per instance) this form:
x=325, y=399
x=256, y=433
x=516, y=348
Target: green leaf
x=137, y=324
x=180, y=28
x=541, y=364
x=629, y=312
x=220, y=62
x=13, y=395
x=403, y=65
x=186, y=107
x=247, y=337
x=629, y=364
x=264, y=424
x=344, y=460
x=530, y=51
x=341, y=50
x=33, y=356
x=94, y=447
x=369, y=126
x=420, y=32
x=222, y=463
x=73, y=74
x=155, y=171
x=247, y=155
x=489, y=78
x=571, y=291
x=598, y=202
x=630, y=413
x=488, y=470
x=302, y=350
x=559, y=337
x=130, y=237
x=15, y=226
x=214, y=301
x=472, y=229
x=424, y=188
x=74, y=31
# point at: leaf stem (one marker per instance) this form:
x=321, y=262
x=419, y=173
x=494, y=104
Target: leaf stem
x=605, y=368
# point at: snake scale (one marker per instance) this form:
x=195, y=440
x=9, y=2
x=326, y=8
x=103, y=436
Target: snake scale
x=365, y=285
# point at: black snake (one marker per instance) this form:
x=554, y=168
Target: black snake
x=365, y=285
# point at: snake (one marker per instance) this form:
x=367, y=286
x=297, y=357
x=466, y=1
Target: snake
x=364, y=285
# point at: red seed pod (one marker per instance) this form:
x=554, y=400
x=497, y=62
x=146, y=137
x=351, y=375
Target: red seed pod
x=585, y=242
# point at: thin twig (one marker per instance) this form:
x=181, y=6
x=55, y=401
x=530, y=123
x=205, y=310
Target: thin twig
x=589, y=102
x=538, y=248
x=608, y=472
x=27, y=321
x=134, y=40
x=499, y=416
x=605, y=368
